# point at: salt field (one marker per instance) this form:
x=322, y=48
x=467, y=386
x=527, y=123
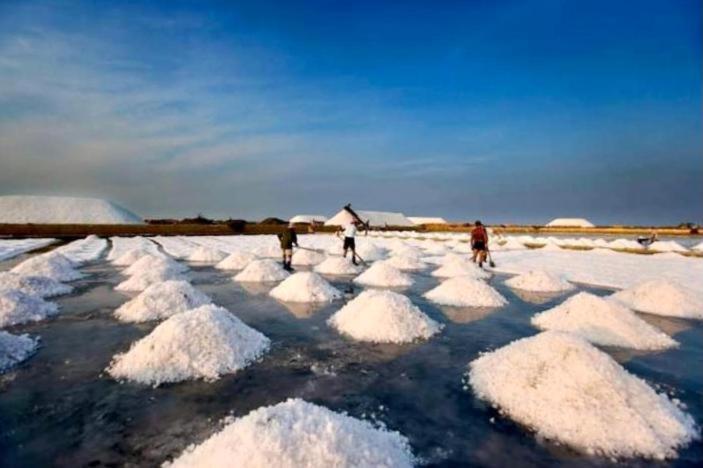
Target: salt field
x=188, y=358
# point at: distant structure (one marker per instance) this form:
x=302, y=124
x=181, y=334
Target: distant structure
x=308, y=219
x=26, y=209
x=419, y=220
x=570, y=222
x=373, y=218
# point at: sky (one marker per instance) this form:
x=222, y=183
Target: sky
x=508, y=111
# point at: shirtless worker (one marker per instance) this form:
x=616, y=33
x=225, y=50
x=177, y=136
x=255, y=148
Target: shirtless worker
x=288, y=239
x=479, y=243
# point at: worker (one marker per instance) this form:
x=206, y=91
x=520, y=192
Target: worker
x=479, y=243
x=288, y=239
x=349, y=242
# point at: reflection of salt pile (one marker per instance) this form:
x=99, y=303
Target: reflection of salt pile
x=160, y=301
x=262, y=271
x=662, y=297
x=307, y=257
x=202, y=254
x=602, y=322
x=539, y=281
x=337, y=266
x=53, y=265
x=305, y=287
x=153, y=262
x=384, y=275
x=460, y=268
x=206, y=343
x=15, y=349
x=567, y=390
x=297, y=433
x=34, y=285
x=465, y=291
x=406, y=262
x=236, y=261
x=17, y=307
x=383, y=317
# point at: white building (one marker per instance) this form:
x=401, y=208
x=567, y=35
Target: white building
x=418, y=220
x=309, y=219
x=373, y=218
x=570, y=222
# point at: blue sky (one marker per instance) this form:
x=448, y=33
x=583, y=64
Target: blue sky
x=511, y=111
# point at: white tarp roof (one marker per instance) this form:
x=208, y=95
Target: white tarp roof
x=21, y=209
x=303, y=218
x=417, y=220
x=374, y=218
x=570, y=222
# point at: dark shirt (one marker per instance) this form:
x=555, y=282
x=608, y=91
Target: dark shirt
x=288, y=238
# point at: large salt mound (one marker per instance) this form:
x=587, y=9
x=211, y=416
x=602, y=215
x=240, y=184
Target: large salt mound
x=370, y=252
x=54, y=266
x=132, y=256
x=160, y=301
x=295, y=434
x=602, y=322
x=465, y=291
x=263, y=271
x=305, y=286
x=406, y=262
x=567, y=390
x=460, y=268
x=337, y=266
x=62, y=210
x=33, y=285
x=307, y=257
x=383, y=317
x=202, y=343
x=236, y=261
x=149, y=262
x=17, y=307
x=539, y=281
x=204, y=254
x=662, y=297
x=15, y=349
x=382, y=274
x=143, y=279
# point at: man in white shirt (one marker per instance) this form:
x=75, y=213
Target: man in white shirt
x=349, y=243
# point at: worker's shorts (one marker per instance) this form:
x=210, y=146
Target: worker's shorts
x=349, y=243
x=288, y=252
x=479, y=245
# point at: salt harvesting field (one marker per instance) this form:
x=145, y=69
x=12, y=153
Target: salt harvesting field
x=199, y=351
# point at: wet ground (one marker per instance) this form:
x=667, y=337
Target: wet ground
x=60, y=409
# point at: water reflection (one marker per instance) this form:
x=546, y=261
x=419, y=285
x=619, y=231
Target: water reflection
x=466, y=314
x=538, y=298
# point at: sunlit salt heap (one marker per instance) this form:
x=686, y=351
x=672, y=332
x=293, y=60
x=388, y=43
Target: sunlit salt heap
x=539, y=281
x=142, y=279
x=338, y=266
x=202, y=343
x=34, y=285
x=132, y=255
x=154, y=262
x=263, y=271
x=307, y=257
x=370, y=252
x=305, y=286
x=15, y=349
x=204, y=254
x=465, y=291
x=295, y=434
x=662, y=297
x=406, y=262
x=566, y=390
x=17, y=307
x=160, y=301
x=460, y=268
x=383, y=317
x=53, y=265
x=236, y=261
x=382, y=274
x=604, y=322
